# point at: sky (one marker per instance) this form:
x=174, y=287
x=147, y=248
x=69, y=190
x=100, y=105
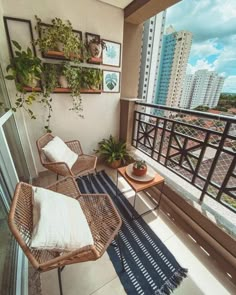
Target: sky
x=213, y=24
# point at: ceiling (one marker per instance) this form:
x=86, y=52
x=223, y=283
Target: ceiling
x=118, y=3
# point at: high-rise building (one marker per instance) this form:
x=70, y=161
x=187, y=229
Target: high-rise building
x=202, y=88
x=172, y=70
x=153, y=30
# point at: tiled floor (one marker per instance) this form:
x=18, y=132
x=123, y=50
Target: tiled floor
x=100, y=278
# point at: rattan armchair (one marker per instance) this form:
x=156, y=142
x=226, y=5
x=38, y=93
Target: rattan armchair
x=103, y=220
x=84, y=164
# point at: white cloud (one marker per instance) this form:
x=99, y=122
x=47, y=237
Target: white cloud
x=200, y=65
x=205, y=49
x=230, y=84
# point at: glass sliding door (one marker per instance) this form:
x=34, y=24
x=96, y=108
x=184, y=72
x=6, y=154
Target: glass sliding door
x=13, y=265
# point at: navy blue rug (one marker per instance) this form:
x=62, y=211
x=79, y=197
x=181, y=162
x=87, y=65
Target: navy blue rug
x=150, y=268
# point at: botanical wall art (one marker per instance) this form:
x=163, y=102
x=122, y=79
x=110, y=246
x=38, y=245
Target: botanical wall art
x=111, y=53
x=111, y=81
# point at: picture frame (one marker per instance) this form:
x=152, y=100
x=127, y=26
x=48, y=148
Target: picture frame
x=94, y=48
x=111, y=53
x=58, y=55
x=111, y=81
x=20, y=30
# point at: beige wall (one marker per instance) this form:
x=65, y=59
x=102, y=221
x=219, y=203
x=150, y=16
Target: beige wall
x=101, y=112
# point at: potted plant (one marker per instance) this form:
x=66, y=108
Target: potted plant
x=26, y=69
x=60, y=37
x=91, y=78
x=94, y=48
x=139, y=168
x=113, y=151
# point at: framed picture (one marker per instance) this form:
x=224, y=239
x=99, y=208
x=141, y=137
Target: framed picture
x=111, y=81
x=94, y=47
x=111, y=53
x=19, y=30
x=56, y=54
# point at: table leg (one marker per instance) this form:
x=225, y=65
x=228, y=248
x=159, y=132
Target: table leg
x=153, y=209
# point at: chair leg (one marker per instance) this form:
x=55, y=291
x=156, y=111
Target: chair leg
x=59, y=270
x=57, y=177
x=117, y=238
x=90, y=182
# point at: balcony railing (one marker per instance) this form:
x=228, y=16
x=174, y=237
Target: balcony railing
x=197, y=146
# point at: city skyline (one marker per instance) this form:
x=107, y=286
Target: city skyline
x=213, y=24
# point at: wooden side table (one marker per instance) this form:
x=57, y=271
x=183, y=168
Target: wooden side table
x=138, y=186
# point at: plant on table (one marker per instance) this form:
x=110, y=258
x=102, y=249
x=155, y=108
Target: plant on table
x=139, y=168
x=113, y=151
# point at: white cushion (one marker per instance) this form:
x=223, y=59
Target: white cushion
x=58, y=222
x=57, y=151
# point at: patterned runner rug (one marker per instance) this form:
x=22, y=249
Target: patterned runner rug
x=150, y=268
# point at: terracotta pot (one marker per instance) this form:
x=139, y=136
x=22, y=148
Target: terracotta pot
x=63, y=82
x=115, y=164
x=95, y=49
x=139, y=172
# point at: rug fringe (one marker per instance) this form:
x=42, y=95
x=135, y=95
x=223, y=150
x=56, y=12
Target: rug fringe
x=173, y=282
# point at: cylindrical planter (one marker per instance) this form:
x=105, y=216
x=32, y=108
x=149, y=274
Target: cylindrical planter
x=115, y=164
x=139, y=172
x=63, y=81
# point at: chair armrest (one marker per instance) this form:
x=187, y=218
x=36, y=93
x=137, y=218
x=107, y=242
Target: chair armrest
x=66, y=186
x=60, y=168
x=75, y=146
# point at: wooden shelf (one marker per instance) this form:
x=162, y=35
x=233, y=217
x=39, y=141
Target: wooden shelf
x=64, y=90
x=32, y=89
x=95, y=60
x=58, y=54
x=83, y=90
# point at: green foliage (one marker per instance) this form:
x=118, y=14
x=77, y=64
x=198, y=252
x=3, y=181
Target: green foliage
x=226, y=101
x=220, y=108
x=59, y=33
x=202, y=108
x=140, y=164
x=25, y=68
x=110, y=150
x=91, y=78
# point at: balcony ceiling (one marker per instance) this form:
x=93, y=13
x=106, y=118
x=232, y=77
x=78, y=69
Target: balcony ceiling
x=118, y=3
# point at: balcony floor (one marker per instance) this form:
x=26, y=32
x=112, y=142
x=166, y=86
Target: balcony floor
x=100, y=278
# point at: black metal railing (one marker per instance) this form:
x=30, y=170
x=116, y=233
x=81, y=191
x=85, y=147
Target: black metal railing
x=199, y=147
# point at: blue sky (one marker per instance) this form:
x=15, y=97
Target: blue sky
x=213, y=24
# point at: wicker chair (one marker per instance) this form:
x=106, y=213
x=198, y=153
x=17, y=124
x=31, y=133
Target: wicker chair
x=103, y=220
x=84, y=164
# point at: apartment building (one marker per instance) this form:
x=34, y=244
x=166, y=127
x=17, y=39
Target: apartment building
x=202, y=88
x=153, y=30
x=174, y=58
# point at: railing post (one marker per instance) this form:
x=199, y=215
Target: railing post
x=127, y=110
x=214, y=162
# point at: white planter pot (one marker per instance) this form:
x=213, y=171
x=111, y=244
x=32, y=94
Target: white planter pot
x=63, y=82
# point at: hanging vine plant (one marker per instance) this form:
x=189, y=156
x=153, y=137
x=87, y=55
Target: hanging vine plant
x=26, y=70
x=59, y=36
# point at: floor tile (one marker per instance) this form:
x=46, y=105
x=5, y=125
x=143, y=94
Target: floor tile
x=208, y=279
x=81, y=278
x=114, y=287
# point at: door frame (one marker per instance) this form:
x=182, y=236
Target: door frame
x=11, y=178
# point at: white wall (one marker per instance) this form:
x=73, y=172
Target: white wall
x=101, y=112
